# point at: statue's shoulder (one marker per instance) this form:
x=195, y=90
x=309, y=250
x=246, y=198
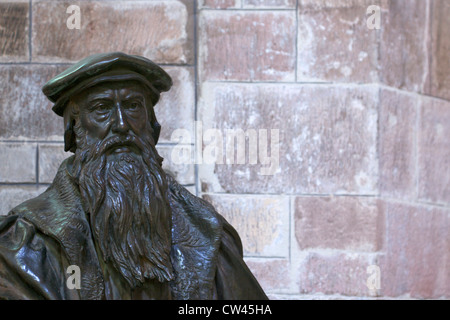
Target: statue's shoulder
x=60, y=192
x=17, y=228
x=201, y=217
x=34, y=205
x=55, y=210
x=197, y=211
x=197, y=232
x=31, y=262
x=21, y=221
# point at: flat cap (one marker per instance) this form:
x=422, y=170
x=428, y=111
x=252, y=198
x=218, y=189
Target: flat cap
x=112, y=66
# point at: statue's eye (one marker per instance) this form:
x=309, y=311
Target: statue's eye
x=101, y=107
x=134, y=105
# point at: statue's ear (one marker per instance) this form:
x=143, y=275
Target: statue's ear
x=156, y=130
x=154, y=122
x=69, y=135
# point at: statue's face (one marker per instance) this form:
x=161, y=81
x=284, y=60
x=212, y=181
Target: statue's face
x=122, y=185
x=115, y=108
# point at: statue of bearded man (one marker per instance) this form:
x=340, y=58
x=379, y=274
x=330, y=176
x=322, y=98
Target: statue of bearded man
x=112, y=214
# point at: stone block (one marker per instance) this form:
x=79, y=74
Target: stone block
x=311, y=139
x=25, y=112
x=276, y=4
x=183, y=173
x=346, y=223
x=403, y=45
x=219, y=4
x=397, y=144
x=153, y=29
x=12, y=196
x=434, y=151
x=262, y=222
x=247, y=45
x=18, y=162
x=50, y=158
x=439, y=85
x=334, y=43
x=14, y=29
x=417, y=252
x=335, y=273
x=176, y=108
x=272, y=274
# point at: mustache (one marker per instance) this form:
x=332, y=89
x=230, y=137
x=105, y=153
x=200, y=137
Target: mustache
x=119, y=141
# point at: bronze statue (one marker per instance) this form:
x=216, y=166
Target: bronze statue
x=111, y=212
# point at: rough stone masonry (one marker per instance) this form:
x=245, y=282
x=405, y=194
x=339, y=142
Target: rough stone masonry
x=364, y=119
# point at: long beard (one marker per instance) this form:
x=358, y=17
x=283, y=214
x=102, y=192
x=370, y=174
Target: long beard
x=127, y=198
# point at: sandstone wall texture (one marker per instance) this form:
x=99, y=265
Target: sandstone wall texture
x=324, y=140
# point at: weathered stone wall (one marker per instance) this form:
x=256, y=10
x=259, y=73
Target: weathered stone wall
x=360, y=168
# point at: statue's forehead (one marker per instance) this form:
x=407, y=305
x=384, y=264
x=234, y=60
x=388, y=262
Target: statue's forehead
x=112, y=89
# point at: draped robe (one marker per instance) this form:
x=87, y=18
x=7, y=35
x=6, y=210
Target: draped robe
x=42, y=237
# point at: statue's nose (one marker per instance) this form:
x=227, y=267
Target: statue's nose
x=120, y=124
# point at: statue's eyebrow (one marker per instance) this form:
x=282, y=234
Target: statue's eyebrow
x=102, y=97
x=99, y=96
x=134, y=95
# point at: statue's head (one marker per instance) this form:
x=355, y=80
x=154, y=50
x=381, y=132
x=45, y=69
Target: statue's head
x=97, y=91
x=107, y=103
